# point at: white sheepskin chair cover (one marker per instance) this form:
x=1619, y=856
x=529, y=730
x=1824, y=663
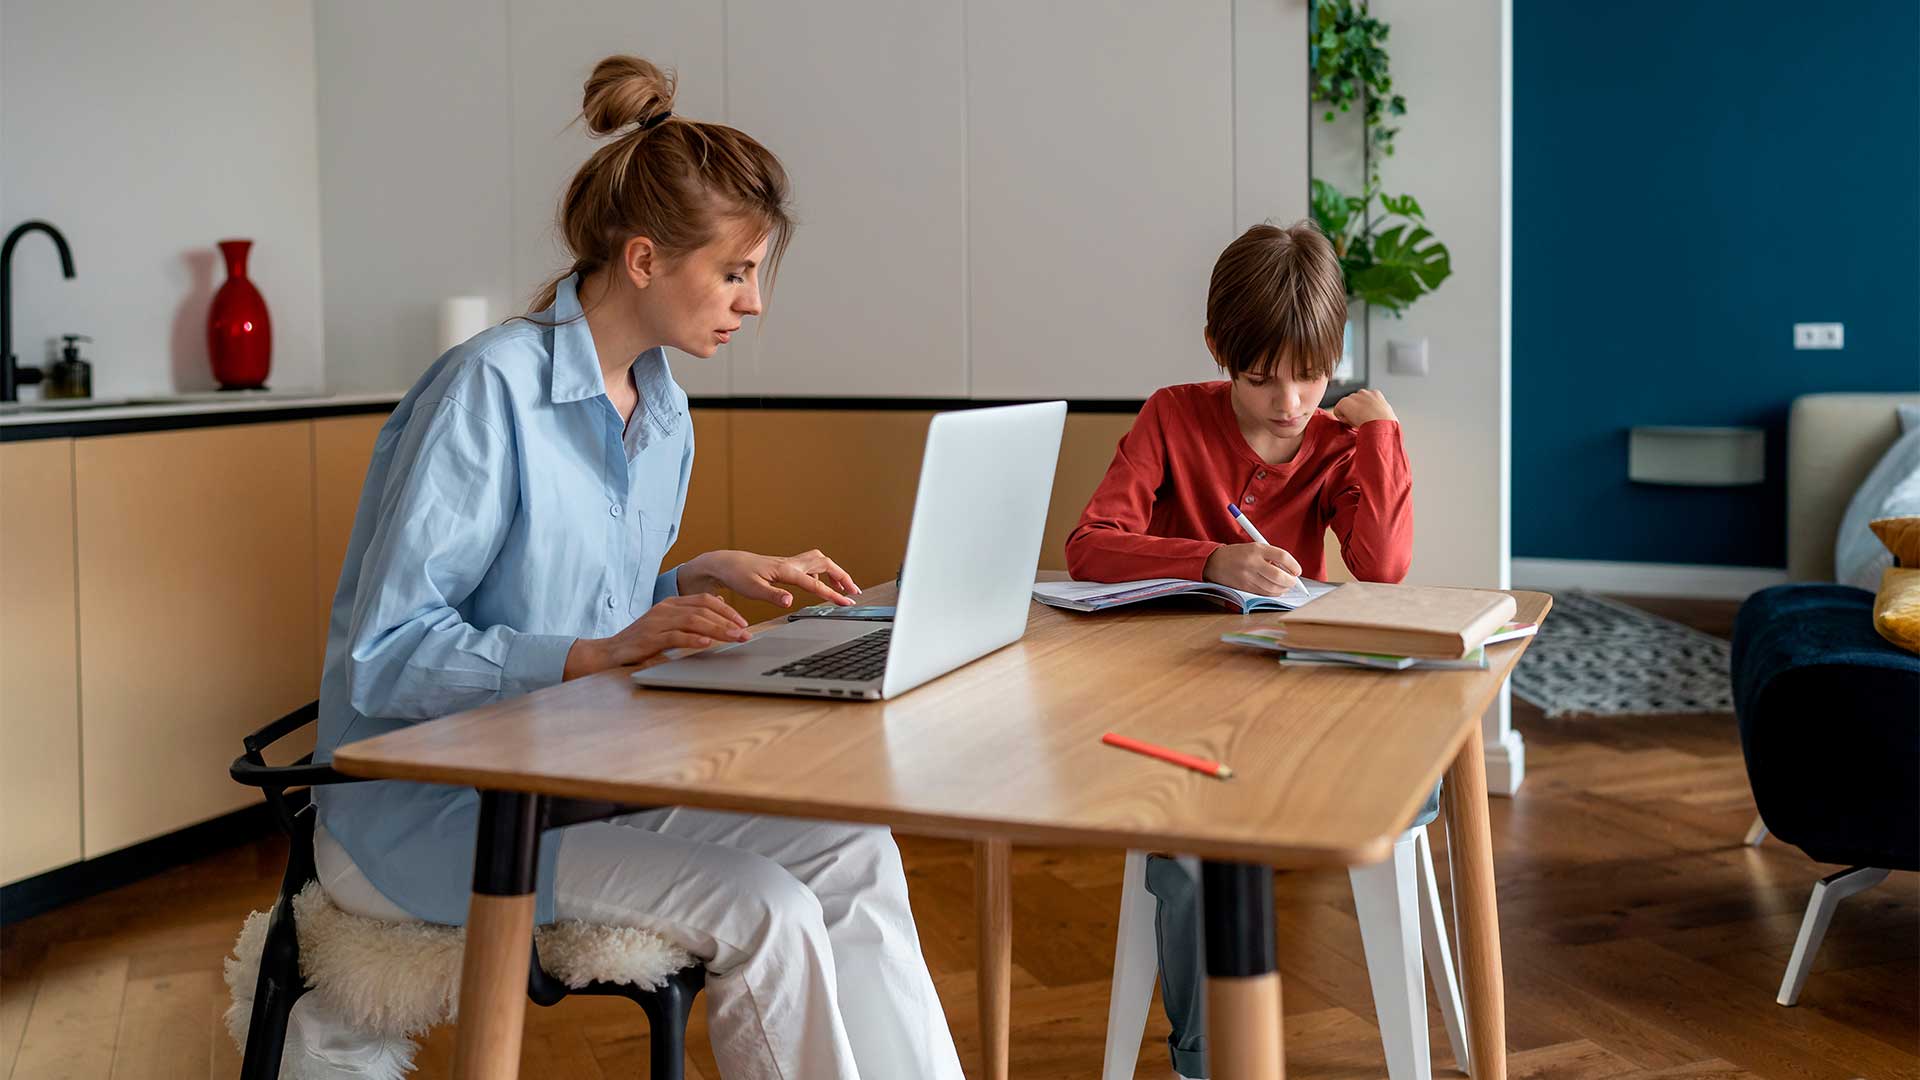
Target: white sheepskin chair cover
x=395, y=980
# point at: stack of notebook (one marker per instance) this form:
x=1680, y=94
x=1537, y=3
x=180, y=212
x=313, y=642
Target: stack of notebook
x=1272, y=641
x=1391, y=626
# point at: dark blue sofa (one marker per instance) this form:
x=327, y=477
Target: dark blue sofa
x=1829, y=716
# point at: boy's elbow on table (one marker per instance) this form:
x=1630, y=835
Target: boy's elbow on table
x=1389, y=568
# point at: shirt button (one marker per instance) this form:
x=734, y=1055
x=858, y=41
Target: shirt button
x=1248, y=500
x=614, y=509
x=610, y=601
x=1261, y=475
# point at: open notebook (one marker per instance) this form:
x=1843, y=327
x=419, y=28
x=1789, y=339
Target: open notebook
x=1102, y=595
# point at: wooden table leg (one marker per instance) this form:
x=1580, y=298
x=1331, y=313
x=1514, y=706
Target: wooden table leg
x=1470, y=840
x=993, y=905
x=1243, y=979
x=493, y=973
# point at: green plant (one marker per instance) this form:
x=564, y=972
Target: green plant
x=1389, y=259
x=1387, y=263
x=1349, y=59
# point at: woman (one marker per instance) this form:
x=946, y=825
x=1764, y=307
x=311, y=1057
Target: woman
x=512, y=527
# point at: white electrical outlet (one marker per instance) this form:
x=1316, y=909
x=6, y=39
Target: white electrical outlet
x=1407, y=357
x=1819, y=335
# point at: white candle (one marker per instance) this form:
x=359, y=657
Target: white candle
x=461, y=317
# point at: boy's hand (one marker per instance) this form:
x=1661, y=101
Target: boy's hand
x=1254, y=568
x=1361, y=406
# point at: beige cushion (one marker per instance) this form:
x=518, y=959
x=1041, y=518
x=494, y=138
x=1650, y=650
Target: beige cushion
x=1833, y=442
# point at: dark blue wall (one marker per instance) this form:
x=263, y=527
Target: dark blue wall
x=1691, y=178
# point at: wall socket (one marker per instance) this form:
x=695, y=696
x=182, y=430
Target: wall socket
x=1407, y=357
x=1819, y=335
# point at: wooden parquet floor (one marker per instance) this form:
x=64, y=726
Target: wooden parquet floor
x=1641, y=940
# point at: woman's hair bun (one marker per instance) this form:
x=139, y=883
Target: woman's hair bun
x=625, y=90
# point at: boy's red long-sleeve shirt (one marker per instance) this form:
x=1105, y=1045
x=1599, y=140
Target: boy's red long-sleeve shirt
x=1161, y=510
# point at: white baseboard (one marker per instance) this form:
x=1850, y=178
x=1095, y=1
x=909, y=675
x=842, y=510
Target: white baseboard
x=1645, y=579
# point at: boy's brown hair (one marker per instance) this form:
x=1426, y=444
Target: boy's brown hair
x=1277, y=294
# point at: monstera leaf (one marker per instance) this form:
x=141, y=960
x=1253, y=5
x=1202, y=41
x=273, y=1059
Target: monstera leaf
x=1336, y=214
x=1407, y=264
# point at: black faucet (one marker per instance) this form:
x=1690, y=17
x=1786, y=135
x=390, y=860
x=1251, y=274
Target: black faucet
x=12, y=375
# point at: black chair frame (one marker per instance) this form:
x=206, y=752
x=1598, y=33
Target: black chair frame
x=288, y=793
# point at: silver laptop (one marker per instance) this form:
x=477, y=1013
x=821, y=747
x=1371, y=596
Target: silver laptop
x=964, y=587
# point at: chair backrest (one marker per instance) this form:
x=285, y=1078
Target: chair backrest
x=293, y=811
x=286, y=788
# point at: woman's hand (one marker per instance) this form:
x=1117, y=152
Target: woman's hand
x=678, y=622
x=1254, y=568
x=760, y=577
x=1361, y=406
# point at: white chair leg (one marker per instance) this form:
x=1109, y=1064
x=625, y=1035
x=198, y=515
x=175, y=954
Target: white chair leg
x=1385, y=897
x=1827, y=894
x=1136, y=963
x=1756, y=832
x=1439, y=952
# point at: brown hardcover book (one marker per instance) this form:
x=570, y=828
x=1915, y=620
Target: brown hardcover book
x=1401, y=620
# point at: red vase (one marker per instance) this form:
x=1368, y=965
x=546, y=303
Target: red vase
x=239, y=335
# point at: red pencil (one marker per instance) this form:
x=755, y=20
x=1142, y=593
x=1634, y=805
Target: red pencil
x=1198, y=764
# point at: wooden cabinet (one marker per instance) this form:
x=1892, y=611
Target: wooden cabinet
x=780, y=481
x=197, y=624
x=164, y=594
x=1086, y=449
x=842, y=482
x=707, y=522
x=39, y=661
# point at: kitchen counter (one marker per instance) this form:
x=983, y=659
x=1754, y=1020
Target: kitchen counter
x=119, y=416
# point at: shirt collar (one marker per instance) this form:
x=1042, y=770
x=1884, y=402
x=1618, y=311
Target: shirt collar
x=576, y=366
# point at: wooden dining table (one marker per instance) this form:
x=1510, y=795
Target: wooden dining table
x=1330, y=765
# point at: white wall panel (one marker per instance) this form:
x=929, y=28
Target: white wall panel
x=996, y=198
x=1448, y=154
x=416, y=179
x=146, y=133
x=552, y=49
x=863, y=102
x=1269, y=111
x=1100, y=187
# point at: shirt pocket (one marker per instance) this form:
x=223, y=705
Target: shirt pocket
x=654, y=542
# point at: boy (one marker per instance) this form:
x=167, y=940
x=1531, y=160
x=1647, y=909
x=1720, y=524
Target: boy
x=1276, y=317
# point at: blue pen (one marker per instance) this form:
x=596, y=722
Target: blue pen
x=1246, y=526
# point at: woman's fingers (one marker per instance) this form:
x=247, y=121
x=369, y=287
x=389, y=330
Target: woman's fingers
x=712, y=603
x=796, y=572
x=840, y=578
x=759, y=588
x=718, y=628
x=702, y=620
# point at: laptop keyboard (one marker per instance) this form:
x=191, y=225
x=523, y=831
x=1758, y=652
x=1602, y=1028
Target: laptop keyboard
x=860, y=660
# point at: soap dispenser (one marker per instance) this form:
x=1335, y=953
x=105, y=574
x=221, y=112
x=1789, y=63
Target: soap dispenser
x=72, y=377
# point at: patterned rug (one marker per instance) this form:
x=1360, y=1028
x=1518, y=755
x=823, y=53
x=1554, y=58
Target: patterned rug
x=1596, y=657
